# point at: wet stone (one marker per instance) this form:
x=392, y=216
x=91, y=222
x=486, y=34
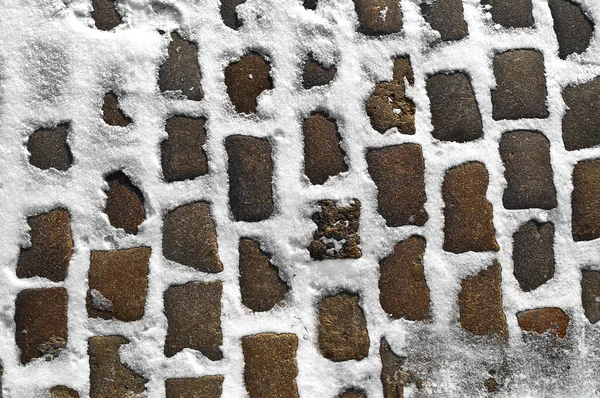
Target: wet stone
x=190, y=238
x=343, y=334
x=585, y=201
x=105, y=14
x=337, y=231
x=574, y=30
x=544, y=320
x=316, y=74
x=250, y=173
x=378, y=17
x=580, y=127
x=398, y=172
x=41, y=323
x=527, y=169
x=455, y=114
x=229, y=13
x=468, y=216
x=182, y=155
x=48, y=148
x=204, y=387
x=246, y=79
x=480, y=303
x=63, y=392
x=118, y=284
x=260, y=285
x=403, y=289
x=445, y=16
x=590, y=291
x=511, y=13
x=352, y=394
x=181, y=71
x=393, y=377
x=388, y=106
x=323, y=157
x=193, y=312
x=108, y=376
x=124, y=203
x=112, y=113
x=520, y=85
x=270, y=365
x=533, y=254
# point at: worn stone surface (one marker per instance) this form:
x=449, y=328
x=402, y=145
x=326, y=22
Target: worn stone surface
x=124, y=203
x=201, y=387
x=398, y=172
x=520, y=85
x=41, y=323
x=388, y=106
x=527, y=169
x=574, y=30
x=246, y=79
x=270, y=365
x=118, y=283
x=580, y=127
x=182, y=155
x=181, y=71
x=51, y=247
x=112, y=113
x=544, y=320
x=105, y=14
x=109, y=377
x=455, y=114
x=403, y=289
x=511, y=13
x=229, y=13
x=585, y=201
x=48, y=148
x=337, y=231
x=316, y=74
x=353, y=393
x=468, y=216
x=480, y=303
x=193, y=312
x=323, y=156
x=393, y=377
x=446, y=16
x=260, y=285
x=370, y=21
x=250, y=173
x=190, y=238
x=63, y=392
x=590, y=292
x=533, y=254
x=343, y=334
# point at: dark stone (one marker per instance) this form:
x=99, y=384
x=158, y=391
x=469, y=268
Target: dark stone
x=250, y=173
x=533, y=254
x=310, y=4
x=590, y=291
x=491, y=384
x=112, y=113
x=455, y=114
x=446, y=16
x=202, y=387
x=182, y=155
x=315, y=74
x=370, y=21
x=520, y=85
x=229, y=13
x=353, y=393
x=181, y=71
x=105, y=14
x=49, y=148
x=337, y=231
x=323, y=156
x=246, y=79
x=544, y=320
x=585, y=201
x=124, y=203
x=574, y=30
x=393, y=377
x=511, y=13
x=63, y=392
x=398, y=173
x=580, y=127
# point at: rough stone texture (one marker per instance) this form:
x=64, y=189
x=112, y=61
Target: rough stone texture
x=229, y=13
x=190, y=238
x=580, y=127
x=343, y=334
x=105, y=14
x=182, y=155
x=51, y=247
x=527, y=169
x=246, y=79
x=490, y=384
x=402, y=285
x=388, y=106
x=369, y=17
x=398, y=172
x=468, y=216
x=270, y=365
x=250, y=173
x=352, y=394
x=112, y=113
x=48, y=148
x=201, y=387
x=315, y=74
x=260, y=285
x=542, y=320
x=590, y=291
x=63, y=392
x=446, y=16
x=520, y=85
x=193, y=312
x=511, y=13
x=323, y=156
x=455, y=114
x=109, y=378
x=124, y=203
x=41, y=323
x=573, y=28
x=585, y=201
x=118, y=283
x=480, y=303
x=393, y=377
x=337, y=231
x=533, y=254
x=181, y=71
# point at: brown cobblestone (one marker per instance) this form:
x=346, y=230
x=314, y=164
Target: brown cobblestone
x=48, y=148
x=63, y=392
x=229, y=13
x=352, y=394
x=246, y=80
x=124, y=203
x=590, y=291
x=337, y=231
x=533, y=254
x=105, y=14
x=112, y=113
x=446, y=16
x=393, y=377
x=323, y=156
x=316, y=74
x=585, y=201
x=181, y=71
x=370, y=21
x=490, y=384
x=579, y=125
x=511, y=13
x=182, y=154
x=201, y=387
x=574, y=30
x=542, y=320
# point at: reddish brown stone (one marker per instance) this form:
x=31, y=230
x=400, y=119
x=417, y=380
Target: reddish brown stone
x=181, y=71
x=41, y=323
x=49, y=148
x=585, y=201
x=574, y=30
x=124, y=203
x=270, y=365
x=118, y=283
x=353, y=393
x=446, y=16
x=315, y=74
x=580, y=128
x=468, y=216
x=398, y=172
x=393, y=377
x=533, y=254
x=542, y=320
x=490, y=384
x=229, y=13
x=63, y=392
x=337, y=231
x=51, y=247
x=190, y=238
x=193, y=314
x=480, y=303
x=112, y=113
x=105, y=14
x=246, y=79
x=182, y=155
x=511, y=13
x=590, y=293
x=378, y=17
x=323, y=156
x=204, y=387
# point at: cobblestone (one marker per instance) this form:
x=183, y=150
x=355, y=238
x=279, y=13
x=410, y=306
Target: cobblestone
x=124, y=203
x=246, y=79
x=511, y=14
x=181, y=72
x=48, y=148
x=63, y=392
x=352, y=394
x=574, y=29
x=323, y=157
x=112, y=113
x=204, y=387
x=229, y=13
x=446, y=17
x=316, y=74
x=370, y=21
x=533, y=254
x=105, y=14
x=579, y=127
x=585, y=201
x=182, y=154
x=393, y=376
x=544, y=320
x=590, y=291
x=337, y=231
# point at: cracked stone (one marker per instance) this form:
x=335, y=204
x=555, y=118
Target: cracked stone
x=246, y=79
x=48, y=148
x=544, y=320
x=337, y=231
x=124, y=203
x=181, y=71
x=533, y=254
x=201, y=387
x=585, y=201
x=323, y=157
x=182, y=153
x=112, y=113
x=378, y=17
x=573, y=28
x=446, y=17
